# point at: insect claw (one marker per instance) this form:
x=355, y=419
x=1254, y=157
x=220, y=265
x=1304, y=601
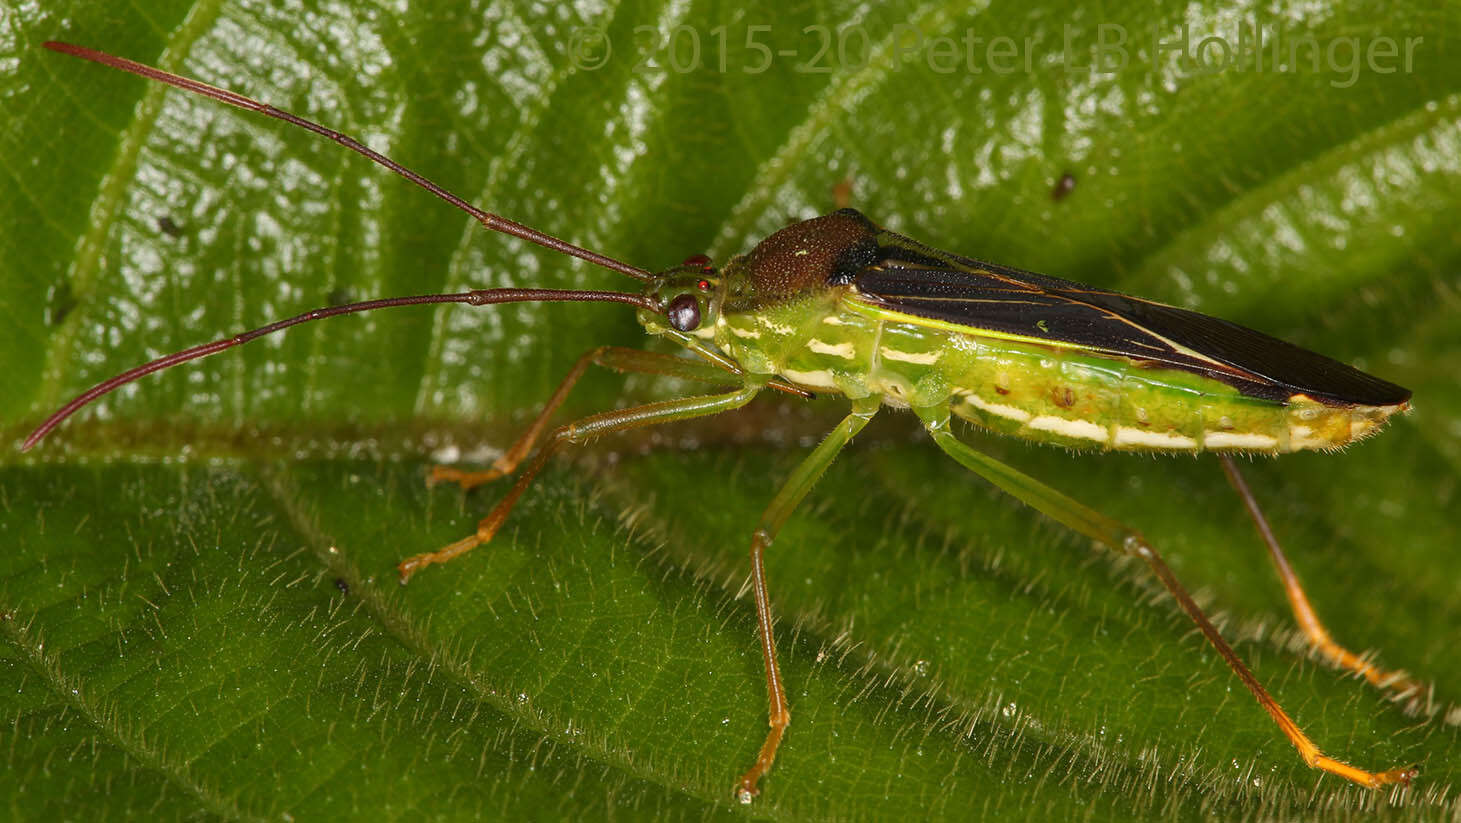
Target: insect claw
x=406, y=568
x=746, y=792
x=1402, y=776
x=416, y=563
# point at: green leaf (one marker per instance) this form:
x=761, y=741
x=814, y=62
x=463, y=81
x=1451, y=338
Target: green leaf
x=198, y=604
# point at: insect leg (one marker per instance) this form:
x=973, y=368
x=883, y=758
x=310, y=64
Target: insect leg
x=614, y=357
x=1123, y=538
x=782, y=505
x=1399, y=683
x=618, y=358
x=576, y=433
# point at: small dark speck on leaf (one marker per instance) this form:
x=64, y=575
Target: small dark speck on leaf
x=166, y=225
x=342, y=585
x=62, y=301
x=1063, y=187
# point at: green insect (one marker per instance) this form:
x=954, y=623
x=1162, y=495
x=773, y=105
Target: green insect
x=839, y=305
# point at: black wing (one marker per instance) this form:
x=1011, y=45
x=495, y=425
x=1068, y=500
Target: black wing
x=914, y=279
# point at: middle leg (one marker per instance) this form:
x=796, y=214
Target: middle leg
x=781, y=507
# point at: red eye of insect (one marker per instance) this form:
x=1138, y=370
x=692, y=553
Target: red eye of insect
x=703, y=285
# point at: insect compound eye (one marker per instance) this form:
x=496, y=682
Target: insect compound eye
x=684, y=313
x=703, y=285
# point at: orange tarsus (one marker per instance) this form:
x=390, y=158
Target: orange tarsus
x=1398, y=683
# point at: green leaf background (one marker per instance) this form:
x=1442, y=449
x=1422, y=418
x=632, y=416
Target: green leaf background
x=197, y=602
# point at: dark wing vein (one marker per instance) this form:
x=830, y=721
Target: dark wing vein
x=924, y=282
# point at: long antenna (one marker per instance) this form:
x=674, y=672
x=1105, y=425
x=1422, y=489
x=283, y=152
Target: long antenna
x=491, y=221
x=479, y=297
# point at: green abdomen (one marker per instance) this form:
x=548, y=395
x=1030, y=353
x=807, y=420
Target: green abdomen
x=1039, y=392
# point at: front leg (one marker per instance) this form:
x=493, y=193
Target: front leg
x=619, y=359
x=574, y=434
